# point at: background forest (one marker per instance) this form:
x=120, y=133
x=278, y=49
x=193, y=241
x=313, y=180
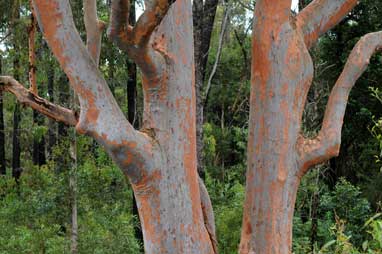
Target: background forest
x=61, y=193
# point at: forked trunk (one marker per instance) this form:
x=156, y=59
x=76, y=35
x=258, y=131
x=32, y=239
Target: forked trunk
x=168, y=199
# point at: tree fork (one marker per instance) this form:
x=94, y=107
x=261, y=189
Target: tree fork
x=278, y=155
x=168, y=120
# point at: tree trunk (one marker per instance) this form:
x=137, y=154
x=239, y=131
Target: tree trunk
x=166, y=208
x=3, y=166
x=16, y=149
x=277, y=89
x=52, y=126
x=203, y=21
x=39, y=157
x=63, y=97
x=73, y=195
x=159, y=160
x=278, y=155
x=314, y=215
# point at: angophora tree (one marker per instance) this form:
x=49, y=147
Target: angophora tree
x=278, y=154
x=160, y=159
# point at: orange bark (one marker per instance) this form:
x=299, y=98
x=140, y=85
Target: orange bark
x=278, y=155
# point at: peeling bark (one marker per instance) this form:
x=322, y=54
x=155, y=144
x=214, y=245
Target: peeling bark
x=327, y=143
x=165, y=182
x=278, y=155
x=321, y=15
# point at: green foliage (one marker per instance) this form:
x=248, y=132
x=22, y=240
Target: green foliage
x=35, y=215
x=342, y=244
x=228, y=210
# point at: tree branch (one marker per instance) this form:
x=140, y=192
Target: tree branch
x=56, y=22
x=149, y=20
x=119, y=29
x=320, y=16
x=27, y=97
x=100, y=115
x=218, y=53
x=94, y=28
x=134, y=40
x=327, y=144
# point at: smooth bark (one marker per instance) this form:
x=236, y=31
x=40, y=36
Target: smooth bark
x=169, y=127
x=278, y=155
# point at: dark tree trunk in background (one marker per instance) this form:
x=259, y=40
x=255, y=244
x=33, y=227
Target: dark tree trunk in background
x=51, y=123
x=203, y=19
x=64, y=159
x=38, y=143
x=2, y=136
x=16, y=150
x=38, y=155
x=63, y=97
x=132, y=82
x=132, y=93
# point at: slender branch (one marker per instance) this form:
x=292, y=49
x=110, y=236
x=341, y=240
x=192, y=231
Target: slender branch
x=94, y=28
x=39, y=104
x=5, y=37
x=320, y=16
x=218, y=54
x=327, y=144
